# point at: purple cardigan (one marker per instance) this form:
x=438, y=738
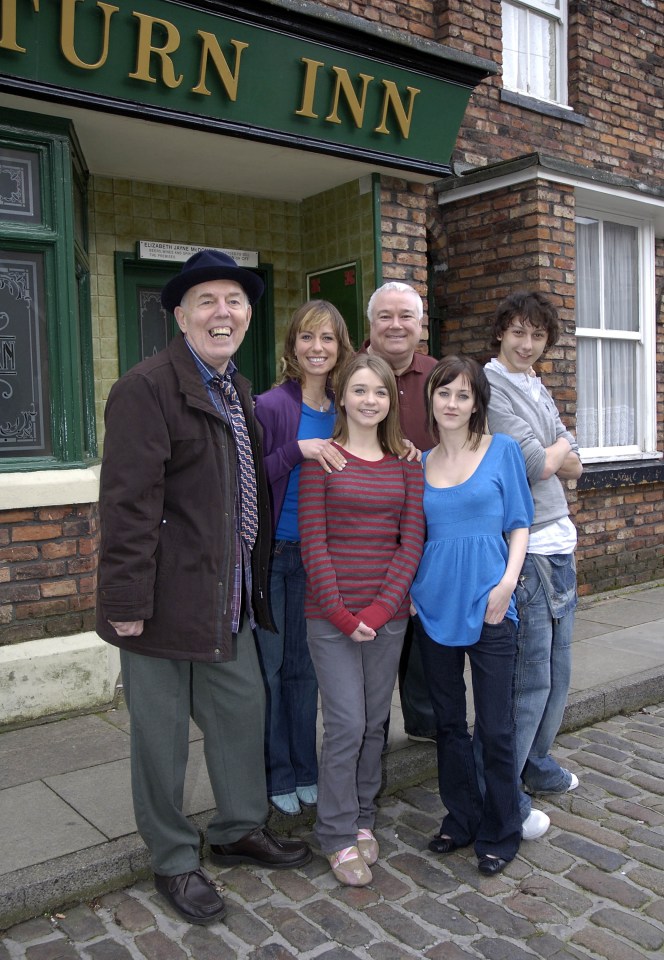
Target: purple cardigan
x=278, y=411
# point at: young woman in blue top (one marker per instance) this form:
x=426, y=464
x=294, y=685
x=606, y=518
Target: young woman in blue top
x=297, y=416
x=478, y=509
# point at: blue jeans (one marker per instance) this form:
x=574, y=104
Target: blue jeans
x=546, y=600
x=489, y=817
x=290, y=680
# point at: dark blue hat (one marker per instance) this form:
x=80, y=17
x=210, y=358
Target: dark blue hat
x=209, y=265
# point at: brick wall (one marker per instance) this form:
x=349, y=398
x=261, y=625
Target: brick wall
x=659, y=310
x=523, y=237
x=483, y=248
x=405, y=209
x=468, y=26
x=414, y=16
x=492, y=244
x=622, y=527
x=620, y=536
x=48, y=564
x=616, y=73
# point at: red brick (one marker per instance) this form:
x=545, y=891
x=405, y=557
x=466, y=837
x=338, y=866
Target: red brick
x=54, y=513
x=82, y=565
x=58, y=588
x=14, y=554
x=42, y=531
x=58, y=548
x=20, y=632
x=76, y=528
x=16, y=516
x=18, y=592
x=38, y=571
x=42, y=608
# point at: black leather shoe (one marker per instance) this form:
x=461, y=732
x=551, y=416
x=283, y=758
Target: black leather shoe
x=262, y=848
x=443, y=844
x=193, y=895
x=491, y=865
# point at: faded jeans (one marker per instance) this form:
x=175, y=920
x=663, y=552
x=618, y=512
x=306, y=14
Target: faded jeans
x=546, y=600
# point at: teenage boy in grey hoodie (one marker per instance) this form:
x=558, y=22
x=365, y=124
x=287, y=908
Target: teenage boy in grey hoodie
x=520, y=406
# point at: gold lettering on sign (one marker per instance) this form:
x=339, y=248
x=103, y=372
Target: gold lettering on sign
x=211, y=48
x=8, y=38
x=146, y=49
x=67, y=27
x=355, y=105
x=307, y=107
x=392, y=97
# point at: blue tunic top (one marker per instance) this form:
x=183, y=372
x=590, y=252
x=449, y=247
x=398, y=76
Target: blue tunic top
x=465, y=554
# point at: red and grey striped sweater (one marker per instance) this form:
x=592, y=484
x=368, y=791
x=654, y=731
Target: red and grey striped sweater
x=362, y=533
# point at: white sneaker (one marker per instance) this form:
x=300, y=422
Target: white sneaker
x=573, y=784
x=535, y=825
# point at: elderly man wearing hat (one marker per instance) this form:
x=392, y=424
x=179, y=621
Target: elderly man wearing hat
x=185, y=545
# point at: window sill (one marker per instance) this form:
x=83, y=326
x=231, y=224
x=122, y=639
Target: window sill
x=20, y=491
x=622, y=474
x=542, y=106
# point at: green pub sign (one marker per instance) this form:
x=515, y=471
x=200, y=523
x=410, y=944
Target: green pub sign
x=176, y=62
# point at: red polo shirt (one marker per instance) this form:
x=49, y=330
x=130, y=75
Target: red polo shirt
x=412, y=408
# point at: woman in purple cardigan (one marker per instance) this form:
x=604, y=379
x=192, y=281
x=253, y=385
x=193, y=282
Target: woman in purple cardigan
x=297, y=416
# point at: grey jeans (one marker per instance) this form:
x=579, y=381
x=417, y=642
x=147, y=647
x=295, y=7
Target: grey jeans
x=356, y=681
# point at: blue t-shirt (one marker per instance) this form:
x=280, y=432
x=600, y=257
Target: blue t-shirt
x=465, y=554
x=313, y=424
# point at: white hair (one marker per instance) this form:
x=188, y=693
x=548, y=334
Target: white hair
x=399, y=287
x=185, y=295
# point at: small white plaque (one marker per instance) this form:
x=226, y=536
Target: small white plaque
x=179, y=252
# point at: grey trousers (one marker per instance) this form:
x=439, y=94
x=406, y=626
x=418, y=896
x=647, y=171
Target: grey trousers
x=227, y=703
x=356, y=681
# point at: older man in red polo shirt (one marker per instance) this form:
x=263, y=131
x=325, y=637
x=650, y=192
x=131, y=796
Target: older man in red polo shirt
x=395, y=313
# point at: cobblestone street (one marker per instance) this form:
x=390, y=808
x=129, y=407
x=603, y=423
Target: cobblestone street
x=593, y=887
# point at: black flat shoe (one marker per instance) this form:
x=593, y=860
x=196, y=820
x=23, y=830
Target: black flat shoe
x=193, y=895
x=443, y=844
x=491, y=865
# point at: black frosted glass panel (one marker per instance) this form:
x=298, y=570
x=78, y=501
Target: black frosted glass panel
x=153, y=321
x=20, y=196
x=24, y=414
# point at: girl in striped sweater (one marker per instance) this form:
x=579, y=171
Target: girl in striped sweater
x=361, y=533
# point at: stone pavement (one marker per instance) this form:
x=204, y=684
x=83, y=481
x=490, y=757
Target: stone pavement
x=593, y=887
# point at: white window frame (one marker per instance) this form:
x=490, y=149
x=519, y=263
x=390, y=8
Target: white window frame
x=559, y=18
x=646, y=400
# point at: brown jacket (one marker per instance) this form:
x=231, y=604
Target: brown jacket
x=167, y=512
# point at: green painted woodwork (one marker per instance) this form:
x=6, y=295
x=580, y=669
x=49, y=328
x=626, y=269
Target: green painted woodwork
x=67, y=339
x=341, y=286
